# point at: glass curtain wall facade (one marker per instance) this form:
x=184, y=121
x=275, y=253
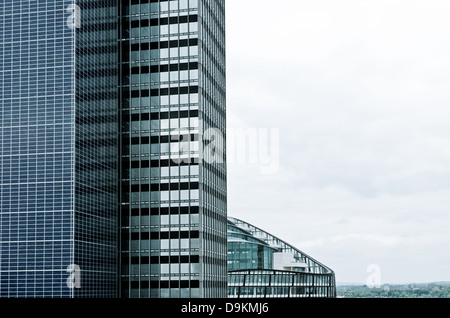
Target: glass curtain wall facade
x=173, y=203
x=58, y=149
x=262, y=266
x=96, y=148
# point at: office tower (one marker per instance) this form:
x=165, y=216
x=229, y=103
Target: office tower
x=58, y=148
x=173, y=195
x=261, y=265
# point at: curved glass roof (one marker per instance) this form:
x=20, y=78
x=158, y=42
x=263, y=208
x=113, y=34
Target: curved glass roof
x=239, y=230
x=237, y=234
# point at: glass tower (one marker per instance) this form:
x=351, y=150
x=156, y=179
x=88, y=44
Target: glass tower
x=58, y=148
x=173, y=175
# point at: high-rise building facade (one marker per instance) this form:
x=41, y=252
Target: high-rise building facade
x=173, y=195
x=58, y=148
x=112, y=148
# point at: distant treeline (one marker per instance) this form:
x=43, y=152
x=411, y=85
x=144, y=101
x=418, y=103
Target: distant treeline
x=431, y=290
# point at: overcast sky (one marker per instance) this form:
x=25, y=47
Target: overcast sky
x=360, y=93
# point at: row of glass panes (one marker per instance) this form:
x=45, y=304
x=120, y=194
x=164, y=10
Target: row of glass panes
x=34, y=261
x=33, y=75
x=175, y=195
x=167, y=100
x=31, y=113
x=35, y=291
x=277, y=280
x=58, y=227
x=25, y=175
x=12, y=207
x=31, y=284
x=46, y=278
x=28, y=23
x=17, y=91
x=162, y=6
x=32, y=222
x=142, y=150
x=146, y=125
x=27, y=13
x=136, y=269
x=28, y=5
x=34, y=189
x=160, y=293
x=176, y=244
x=38, y=74
x=49, y=159
x=25, y=82
x=36, y=246
x=183, y=220
x=59, y=230
x=32, y=134
x=184, y=52
x=174, y=172
x=49, y=285
x=160, y=78
x=271, y=292
x=163, y=220
x=10, y=37
x=26, y=47
x=49, y=199
x=10, y=202
x=32, y=62
x=162, y=30
x=164, y=148
x=26, y=16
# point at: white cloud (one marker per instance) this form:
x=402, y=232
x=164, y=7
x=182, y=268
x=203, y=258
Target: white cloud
x=359, y=90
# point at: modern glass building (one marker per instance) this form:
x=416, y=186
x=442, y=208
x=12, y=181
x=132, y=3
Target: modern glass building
x=263, y=266
x=173, y=195
x=112, y=148
x=58, y=148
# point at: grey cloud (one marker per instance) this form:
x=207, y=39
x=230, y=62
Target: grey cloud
x=359, y=91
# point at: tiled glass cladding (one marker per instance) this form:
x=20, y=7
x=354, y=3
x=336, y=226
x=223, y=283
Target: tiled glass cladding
x=96, y=148
x=279, y=284
x=252, y=271
x=57, y=148
x=173, y=216
x=247, y=252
